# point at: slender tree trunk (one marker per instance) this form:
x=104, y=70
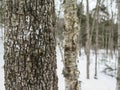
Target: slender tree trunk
x=70, y=70
x=29, y=44
x=118, y=70
x=106, y=41
x=80, y=38
x=1, y=18
x=80, y=8
x=103, y=36
x=93, y=23
x=111, y=37
x=88, y=42
x=96, y=40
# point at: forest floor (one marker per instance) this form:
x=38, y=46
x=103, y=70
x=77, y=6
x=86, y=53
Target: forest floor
x=104, y=81
x=106, y=77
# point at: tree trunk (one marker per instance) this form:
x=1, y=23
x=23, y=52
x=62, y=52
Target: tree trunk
x=71, y=31
x=111, y=37
x=103, y=36
x=29, y=44
x=96, y=39
x=118, y=70
x=88, y=42
x=79, y=14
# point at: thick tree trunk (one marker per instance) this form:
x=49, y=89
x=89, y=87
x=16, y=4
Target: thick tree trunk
x=70, y=70
x=118, y=70
x=29, y=44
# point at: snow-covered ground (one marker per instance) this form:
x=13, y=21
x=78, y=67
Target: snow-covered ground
x=1, y=66
x=104, y=82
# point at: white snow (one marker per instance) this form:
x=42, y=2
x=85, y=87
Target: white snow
x=1, y=66
x=104, y=82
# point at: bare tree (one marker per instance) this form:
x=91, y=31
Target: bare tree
x=88, y=41
x=118, y=70
x=96, y=40
x=79, y=14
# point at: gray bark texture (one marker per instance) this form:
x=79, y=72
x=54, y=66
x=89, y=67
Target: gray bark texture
x=118, y=70
x=29, y=44
x=87, y=41
x=71, y=32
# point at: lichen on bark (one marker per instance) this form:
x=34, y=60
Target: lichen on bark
x=71, y=31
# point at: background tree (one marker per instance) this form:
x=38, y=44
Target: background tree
x=1, y=18
x=1, y=11
x=79, y=15
x=118, y=71
x=96, y=40
x=29, y=44
x=87, y=48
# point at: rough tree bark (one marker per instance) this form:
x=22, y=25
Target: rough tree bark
x=29, y=44
x=71, y=31
x=118, y=70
